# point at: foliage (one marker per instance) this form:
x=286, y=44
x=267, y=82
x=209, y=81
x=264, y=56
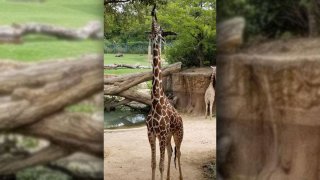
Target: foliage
x=138, y=47
x=194, y=21
x=128, y=21
x=271, y=18
x=41, y=173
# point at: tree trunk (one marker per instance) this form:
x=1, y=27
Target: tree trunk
x=269, y=108
x=230, y=35
x=314, y=18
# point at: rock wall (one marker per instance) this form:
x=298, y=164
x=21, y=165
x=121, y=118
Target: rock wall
x=268, y=111
x=189, y=87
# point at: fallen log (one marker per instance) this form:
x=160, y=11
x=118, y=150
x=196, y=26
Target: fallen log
x=136, y=96
x=115, y=66
x=36, y=91
x=48, y=154
x=109, y=106
x=115, y=85
x=33, y=99
x=77, y=130
x=14, y=33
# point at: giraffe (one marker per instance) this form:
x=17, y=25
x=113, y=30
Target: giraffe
x=210, y=93
x=163, y=121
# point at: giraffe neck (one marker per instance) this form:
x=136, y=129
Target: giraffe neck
x=157, y=88
x=212, y=79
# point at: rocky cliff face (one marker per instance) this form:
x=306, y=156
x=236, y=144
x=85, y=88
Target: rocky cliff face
x=268, y=109
x=189, y=87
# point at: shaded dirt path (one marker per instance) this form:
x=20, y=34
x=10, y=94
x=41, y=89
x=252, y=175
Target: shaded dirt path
x=128, y=155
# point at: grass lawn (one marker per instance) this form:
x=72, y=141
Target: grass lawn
x=72, y=14
x=134, y=59
x=139, y=59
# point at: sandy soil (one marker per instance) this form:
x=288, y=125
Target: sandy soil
x=128, y=155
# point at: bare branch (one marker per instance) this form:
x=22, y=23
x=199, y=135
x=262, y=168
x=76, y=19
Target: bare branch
x=50, y=153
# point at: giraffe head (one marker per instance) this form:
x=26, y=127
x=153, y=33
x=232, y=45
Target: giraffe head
x=213, y=70
x=157, y=33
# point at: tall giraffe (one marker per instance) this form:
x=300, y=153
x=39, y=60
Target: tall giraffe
x=210, y=93
x=163, y=121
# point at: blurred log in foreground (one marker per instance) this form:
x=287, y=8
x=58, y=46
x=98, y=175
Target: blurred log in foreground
x=14, y=33
x=33, y=102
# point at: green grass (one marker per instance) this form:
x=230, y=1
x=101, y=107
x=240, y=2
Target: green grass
x=42, y=50
x=72, y=14
x=58, y=12
x=133, y=59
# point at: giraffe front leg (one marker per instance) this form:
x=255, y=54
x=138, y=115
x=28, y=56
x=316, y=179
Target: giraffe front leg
x=152, y=141
x=169, y=150
x=211, y=107
x=206, y=110
x=162, y=142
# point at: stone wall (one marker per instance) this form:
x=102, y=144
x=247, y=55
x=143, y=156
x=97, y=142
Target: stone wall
x=268, y=111
x=189, y=87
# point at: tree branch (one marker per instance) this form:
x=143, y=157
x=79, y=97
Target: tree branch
x=115, y=1
x=50, y=153
x=74, y=131
x=115, y=85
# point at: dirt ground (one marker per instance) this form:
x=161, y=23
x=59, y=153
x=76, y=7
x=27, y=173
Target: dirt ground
x=128, y=155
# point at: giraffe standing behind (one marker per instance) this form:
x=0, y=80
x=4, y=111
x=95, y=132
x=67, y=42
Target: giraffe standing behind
x=163, y=121
x=210, y=93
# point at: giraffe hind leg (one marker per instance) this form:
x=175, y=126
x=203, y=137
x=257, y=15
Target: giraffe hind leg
x=163, y=143
x=152, y=141
x=169, y=150
x=177, y=140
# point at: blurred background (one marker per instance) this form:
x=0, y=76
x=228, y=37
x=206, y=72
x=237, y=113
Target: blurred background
x=51, y=118
x=267, y=110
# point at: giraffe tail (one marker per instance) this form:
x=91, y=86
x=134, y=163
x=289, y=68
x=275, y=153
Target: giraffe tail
x=175, y=157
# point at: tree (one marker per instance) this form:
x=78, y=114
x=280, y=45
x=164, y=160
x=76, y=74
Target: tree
x=195, y=23
x=274, y=18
